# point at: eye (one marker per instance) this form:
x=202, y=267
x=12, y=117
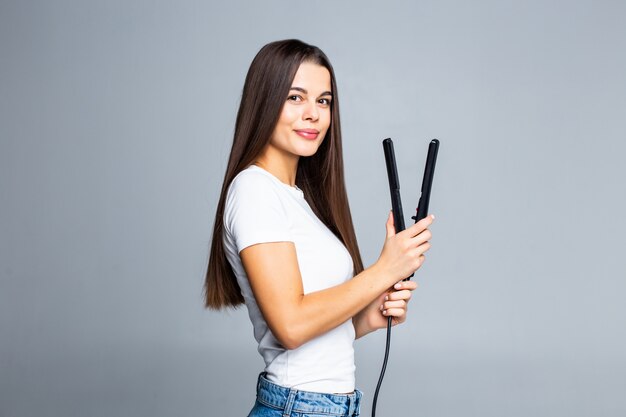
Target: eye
x=324, y=101
x=294, y=97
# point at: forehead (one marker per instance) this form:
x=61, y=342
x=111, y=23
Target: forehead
x=312, y=77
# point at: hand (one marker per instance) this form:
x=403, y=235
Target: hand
x=393, y=304
x=403, y=252
x=372, y=318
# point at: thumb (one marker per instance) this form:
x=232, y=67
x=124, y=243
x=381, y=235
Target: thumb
x=391, y=229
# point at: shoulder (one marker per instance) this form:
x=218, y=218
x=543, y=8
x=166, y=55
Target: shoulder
x=253, y=185
x=251, y=178
x=254, y=189
x=255, y=210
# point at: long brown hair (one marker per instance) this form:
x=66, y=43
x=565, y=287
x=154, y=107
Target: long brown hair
x=320, y=176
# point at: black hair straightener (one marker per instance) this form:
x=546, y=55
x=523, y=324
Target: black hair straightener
x=398, y=217
x=394, y=183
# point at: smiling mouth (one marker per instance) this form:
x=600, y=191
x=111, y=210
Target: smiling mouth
x=307, y=133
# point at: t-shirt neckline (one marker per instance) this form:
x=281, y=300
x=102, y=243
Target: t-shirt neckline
x=292, y=189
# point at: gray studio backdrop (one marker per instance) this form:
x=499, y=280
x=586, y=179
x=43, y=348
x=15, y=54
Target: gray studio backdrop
x=116, y=120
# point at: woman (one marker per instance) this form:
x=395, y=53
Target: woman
x=284, y=244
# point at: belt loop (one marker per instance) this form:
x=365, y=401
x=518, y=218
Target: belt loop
x=351, y=404
x=258, y=382
x=290, y=400
x=355, y=403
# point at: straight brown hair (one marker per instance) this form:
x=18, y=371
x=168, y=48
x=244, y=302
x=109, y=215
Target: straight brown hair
x=320, y=176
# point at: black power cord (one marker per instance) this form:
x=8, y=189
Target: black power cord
x=382, y=371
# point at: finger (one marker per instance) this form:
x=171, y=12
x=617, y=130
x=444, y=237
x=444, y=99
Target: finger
x=393, y=304
x=423, y=237
x=406, y=285
x=420, y=261
x=394, y=312
x=399, y=295
x=391, y=229
x=421, y=249
x=421, y=225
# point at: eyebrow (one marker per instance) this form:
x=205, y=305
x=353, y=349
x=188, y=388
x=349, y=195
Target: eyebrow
x=302, y=90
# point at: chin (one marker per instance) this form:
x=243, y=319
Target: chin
x=309, y=151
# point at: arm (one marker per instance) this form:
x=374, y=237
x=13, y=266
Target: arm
x=296, y=318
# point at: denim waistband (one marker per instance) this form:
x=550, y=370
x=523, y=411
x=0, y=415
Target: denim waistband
x=293, y=400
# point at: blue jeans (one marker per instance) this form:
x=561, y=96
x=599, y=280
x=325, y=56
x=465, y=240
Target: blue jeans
x=275, y=401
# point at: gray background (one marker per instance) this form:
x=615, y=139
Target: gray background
x=115, y=122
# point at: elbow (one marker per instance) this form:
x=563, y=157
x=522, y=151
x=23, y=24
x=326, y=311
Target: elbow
x=289, y=337
x=290, y=344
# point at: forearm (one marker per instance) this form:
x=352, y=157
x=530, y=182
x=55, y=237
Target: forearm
x=321, y=311
x=362, y=321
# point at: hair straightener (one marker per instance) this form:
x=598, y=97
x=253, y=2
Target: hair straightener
x=398, y=217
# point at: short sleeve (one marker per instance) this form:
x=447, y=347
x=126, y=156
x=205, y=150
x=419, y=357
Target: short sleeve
x=254, y=212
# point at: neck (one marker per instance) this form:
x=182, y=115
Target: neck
x=284, y=167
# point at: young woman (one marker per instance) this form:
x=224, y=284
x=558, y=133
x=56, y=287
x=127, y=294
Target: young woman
x=284, y=244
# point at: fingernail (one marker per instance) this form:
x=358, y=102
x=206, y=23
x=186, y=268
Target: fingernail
x=432, y=216
x=381, y=307
x=385, y=312
x=386, y=297
x=398, y=286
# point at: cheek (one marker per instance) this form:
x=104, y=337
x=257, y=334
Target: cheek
x=327, y=118
x=284, y=125
x=287, y=116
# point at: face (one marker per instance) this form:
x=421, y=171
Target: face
x=305, y=116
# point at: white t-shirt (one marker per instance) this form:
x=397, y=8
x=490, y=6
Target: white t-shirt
x=260, y=208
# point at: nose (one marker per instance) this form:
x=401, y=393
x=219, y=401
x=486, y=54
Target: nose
x=311, y=112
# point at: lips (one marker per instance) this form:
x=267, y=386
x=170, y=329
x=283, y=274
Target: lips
x=308, y=133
